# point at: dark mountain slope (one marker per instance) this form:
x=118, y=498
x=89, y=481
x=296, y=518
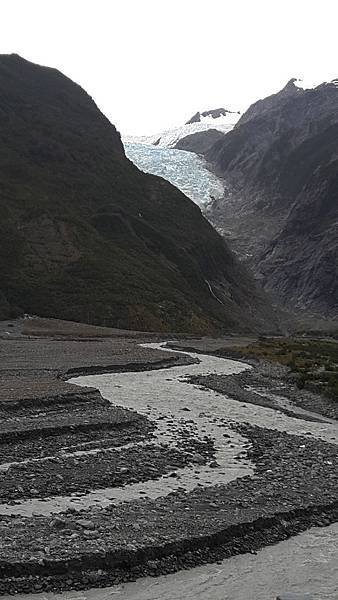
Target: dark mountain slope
x=87, y=236
x=275, y=101
x=302, y=260
x=281, y=207
x=199, y=142
x=265, y=135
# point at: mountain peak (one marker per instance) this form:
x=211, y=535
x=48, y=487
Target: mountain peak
x=290, y=88
x=257, y=109
x=214, y=113
x=291, y=83
x=220, y=119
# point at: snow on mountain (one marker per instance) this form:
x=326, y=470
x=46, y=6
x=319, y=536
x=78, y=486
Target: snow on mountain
x=185, y=170
x=168, y=139
x=209, y=116
x=189, y=172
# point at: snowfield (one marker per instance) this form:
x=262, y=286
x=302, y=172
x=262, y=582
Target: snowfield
x=168, y=139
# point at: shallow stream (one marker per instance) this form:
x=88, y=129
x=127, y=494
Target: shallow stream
x=305, y=563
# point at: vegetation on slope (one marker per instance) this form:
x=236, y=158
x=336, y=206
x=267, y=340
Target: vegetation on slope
x=313, y=362
x=86, y=236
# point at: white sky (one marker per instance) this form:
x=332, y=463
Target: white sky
x=150, y=64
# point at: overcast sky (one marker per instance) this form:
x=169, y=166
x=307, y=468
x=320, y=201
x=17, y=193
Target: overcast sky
x=150, y=64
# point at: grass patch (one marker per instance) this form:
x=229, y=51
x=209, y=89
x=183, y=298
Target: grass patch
x=313, y=362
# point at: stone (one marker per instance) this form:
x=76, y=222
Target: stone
x=58, y=523
x=86, y=524
x=197, y=458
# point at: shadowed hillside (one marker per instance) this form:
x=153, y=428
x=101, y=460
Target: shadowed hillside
x=280, y=209
x=88, y=237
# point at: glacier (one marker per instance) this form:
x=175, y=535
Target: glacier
x=170, y=137
x=185, y=170
x=156, y=154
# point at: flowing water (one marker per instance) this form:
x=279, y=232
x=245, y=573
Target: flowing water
x=163, y=396
x=305, y=563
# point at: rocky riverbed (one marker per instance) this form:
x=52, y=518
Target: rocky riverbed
x=128, y=474
x=303, y=567
x=268, y=383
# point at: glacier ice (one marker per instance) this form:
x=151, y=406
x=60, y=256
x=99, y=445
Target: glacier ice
x=185, y=170
x=169, y=138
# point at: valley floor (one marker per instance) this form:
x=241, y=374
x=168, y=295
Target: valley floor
x=120, y=459
x=306, y=565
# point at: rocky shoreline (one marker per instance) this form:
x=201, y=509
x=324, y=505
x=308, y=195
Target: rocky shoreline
x=266, y=385
x=270, y=378
x=247, y=539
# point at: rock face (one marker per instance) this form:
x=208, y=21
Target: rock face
x=199, y=142
x=257, y=109
x=221, y=121
x=214, y=113
x=280, y=165
x=86, y=236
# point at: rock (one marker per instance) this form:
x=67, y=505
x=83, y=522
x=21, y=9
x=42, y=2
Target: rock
x=58, y=523
x=200, y=141
x=198, y=458
x=214, y=113
x=86, y=524
x=89, y=533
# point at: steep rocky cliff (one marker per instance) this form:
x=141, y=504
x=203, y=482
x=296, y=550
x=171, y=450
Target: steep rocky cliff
x=87, y=236
x=280, y=209
x=199, y=142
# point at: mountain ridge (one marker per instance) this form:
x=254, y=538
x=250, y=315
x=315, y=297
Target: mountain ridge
x=214, y=113
x=88, y=237
x=222, y=121
x=279, y=162
x=279, y=158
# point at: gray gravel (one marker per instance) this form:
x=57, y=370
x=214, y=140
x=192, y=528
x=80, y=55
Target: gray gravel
x=293, y=485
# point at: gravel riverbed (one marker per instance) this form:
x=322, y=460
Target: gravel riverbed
x=182, y=477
